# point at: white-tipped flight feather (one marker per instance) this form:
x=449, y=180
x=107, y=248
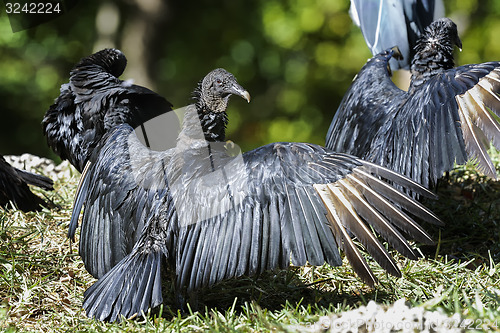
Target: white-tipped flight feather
x=343, y=239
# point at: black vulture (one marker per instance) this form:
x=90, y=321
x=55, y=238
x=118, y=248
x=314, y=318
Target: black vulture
x=211, y=214
x=388, y=23
x=14, y=187
x=93, y=101
x=447, y=116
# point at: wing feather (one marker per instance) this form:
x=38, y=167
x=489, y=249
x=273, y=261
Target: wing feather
x=398, y=197
x=344, y=241
x=312, y=240
x=353, y=222
x=300, y=237
x=299, y=203
x=377, y=221
x=473, y=140
x=395, y=215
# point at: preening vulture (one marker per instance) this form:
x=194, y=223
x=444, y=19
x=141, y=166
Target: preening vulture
x=94, y=101
x=14, y=187
x=210, y=214
x=447, y=116
x=388, y=23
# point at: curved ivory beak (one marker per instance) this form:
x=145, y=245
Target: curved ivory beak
x=236, y=89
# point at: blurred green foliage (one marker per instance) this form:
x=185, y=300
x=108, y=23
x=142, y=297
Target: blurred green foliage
x=296, y=57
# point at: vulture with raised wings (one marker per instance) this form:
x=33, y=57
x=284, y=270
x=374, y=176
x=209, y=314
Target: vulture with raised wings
x=94, y=101
x=449, y=114
x=208, y=213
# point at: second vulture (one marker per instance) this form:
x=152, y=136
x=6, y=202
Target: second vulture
x=447, y=116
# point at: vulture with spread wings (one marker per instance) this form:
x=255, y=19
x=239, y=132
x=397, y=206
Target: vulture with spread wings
x=94, y=101
x=447, y=116
x=209, y=213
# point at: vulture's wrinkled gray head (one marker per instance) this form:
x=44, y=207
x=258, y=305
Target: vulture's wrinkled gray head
x=213, y=92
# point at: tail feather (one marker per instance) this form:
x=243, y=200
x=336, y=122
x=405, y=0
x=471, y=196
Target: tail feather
x=130, y=288
x=36, y=180
x=133, y=302
x=25, y=200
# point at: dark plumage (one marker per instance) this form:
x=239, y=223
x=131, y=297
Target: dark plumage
x=388, y=23
x=446, y=116
x=212, y=215
x=94, y=101
x=14, y=187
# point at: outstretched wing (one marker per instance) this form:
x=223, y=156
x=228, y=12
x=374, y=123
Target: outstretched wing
x=449, y=119
x=388, y=23
x=365, y=108
x=121, y=187
x=291, y=201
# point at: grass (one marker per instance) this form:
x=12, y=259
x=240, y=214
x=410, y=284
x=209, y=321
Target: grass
x=42, y=278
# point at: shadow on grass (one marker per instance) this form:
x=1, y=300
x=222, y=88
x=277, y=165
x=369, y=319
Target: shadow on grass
x=469, y=204
x=273, y=291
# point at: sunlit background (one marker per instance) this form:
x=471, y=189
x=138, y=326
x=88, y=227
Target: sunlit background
x=295, y=57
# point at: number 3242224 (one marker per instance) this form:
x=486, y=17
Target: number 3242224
x=32, y=8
